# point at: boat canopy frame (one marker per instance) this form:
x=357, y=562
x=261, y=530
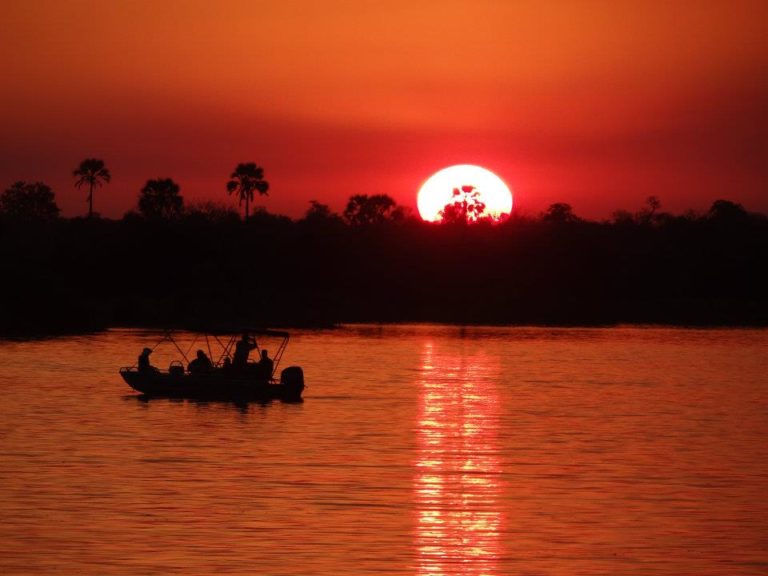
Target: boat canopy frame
x=227, y=346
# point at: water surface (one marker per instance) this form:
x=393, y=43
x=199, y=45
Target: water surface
x=419, y=450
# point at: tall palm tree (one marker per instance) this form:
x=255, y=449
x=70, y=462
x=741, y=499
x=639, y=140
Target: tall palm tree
x=246, y=179
x=92, y=172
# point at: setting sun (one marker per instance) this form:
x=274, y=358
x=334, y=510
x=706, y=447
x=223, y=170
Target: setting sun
x=466, y=192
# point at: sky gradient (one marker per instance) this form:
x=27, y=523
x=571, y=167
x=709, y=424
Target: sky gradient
x=598, y=104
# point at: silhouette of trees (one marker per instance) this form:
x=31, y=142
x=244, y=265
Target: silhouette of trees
x=29, y=202
x=245, y=180
x=465, y=207
x=725, y=211
x=92, y=172
x=321, y=215
x=266, y=220
x=688, y=269
x=623, y=217
x=364, y=210
x=648, y=213
x=160, y=200
x=317, y=211
x=559, y=213
x=642, y=266
x=211, y=212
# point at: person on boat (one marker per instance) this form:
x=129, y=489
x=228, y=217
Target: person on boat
x=242, y=350
x=266, y=365
x=144, y=365
x=201, y=364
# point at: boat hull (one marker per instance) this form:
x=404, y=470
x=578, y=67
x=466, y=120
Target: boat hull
x=210, y=386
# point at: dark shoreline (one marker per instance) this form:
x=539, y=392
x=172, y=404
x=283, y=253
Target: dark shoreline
x=42, y=334
x=78, y=276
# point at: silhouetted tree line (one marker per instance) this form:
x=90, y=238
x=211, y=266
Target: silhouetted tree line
x=171, y=264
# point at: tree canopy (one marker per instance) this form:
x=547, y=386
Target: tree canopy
x=364, y=210
x=245, y=180
x=160, y=200
x=707, y=268
x=559, y=213
x=93, y=172
x=26, y=201
x=465, y=207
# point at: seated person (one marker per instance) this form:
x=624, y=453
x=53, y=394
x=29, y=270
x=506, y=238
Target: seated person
x=265, y=366
x=144, y=365
x=201, y=364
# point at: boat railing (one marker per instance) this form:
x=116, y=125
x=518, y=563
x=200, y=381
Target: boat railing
x=177, y=369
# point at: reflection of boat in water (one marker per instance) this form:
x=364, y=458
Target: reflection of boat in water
x=223, y=380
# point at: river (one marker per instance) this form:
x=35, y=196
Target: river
x=419, y=450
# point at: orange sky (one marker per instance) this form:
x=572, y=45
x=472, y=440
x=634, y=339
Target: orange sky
x=598, y=104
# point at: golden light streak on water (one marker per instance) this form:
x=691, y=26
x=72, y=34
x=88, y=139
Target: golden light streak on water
x=457, y=484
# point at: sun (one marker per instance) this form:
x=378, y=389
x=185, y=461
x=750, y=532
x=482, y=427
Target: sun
x=466, y=192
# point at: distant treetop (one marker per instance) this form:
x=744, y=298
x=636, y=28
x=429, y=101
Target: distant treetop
x=92, y=172
x=160, y=200
x=466, y=206
x=29, y=202
x=245, y=180
x=363, y=210
x=559, y=213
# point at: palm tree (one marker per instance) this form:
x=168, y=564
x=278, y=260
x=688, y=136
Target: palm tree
x=246, y=178
x=92, y=172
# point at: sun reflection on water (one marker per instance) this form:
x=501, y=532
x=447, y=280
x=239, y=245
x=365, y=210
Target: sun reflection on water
x=458, y=483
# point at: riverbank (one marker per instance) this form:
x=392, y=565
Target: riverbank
x=79, y=275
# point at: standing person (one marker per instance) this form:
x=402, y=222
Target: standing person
x=242, y=350
x=266, y=365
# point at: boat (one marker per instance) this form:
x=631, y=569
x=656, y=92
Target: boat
x=222, y=380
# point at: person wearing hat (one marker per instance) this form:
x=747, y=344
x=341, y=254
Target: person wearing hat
x=144, y=365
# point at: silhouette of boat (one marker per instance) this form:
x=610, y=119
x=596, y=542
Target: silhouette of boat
x=223, y=380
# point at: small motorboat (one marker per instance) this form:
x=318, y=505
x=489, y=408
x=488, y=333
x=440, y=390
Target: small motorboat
x=223, y=379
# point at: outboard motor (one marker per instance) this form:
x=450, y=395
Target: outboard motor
x=292, y=376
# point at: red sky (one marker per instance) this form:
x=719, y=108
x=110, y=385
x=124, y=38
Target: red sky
x=598, y=104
